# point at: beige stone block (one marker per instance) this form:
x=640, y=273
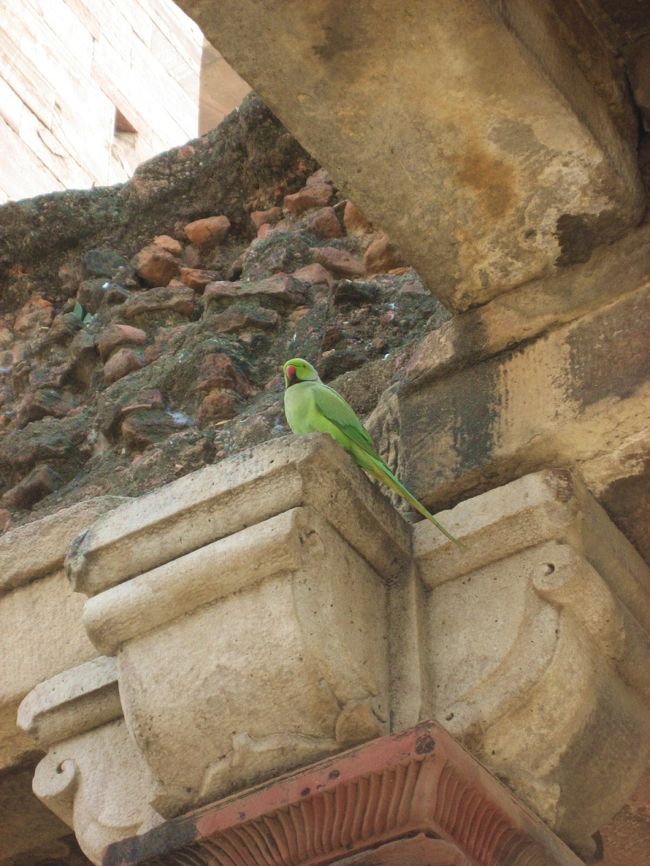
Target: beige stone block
x=252, y=641
x=238, y=492
x=516, y=317
x=247, y=608
x=205, y=575
x=93, y=778
x=39, y=548
x=276, y=656
x=538, y=649
x=221, y=91
x=475, y=134
x=551, y=505
x=76, y=700
x=41, y=632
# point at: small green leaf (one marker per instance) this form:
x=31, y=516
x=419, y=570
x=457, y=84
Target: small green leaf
x=79, y=311
x=88, y=318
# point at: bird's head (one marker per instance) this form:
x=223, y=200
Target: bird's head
x=298, y=370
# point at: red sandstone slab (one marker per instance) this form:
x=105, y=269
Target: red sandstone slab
x=415, y=798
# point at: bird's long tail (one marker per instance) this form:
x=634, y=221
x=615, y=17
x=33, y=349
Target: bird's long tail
x=378, y=469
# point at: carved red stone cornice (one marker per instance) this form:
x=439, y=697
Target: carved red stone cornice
x=414, y=798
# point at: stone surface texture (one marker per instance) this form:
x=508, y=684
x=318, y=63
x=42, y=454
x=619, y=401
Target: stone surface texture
x=287, y=557
x=538, y=643
x=40, y=627
x=258, y=604
x=492, y=133
x=221, y=500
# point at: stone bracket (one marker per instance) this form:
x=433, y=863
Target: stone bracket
x=274, y=610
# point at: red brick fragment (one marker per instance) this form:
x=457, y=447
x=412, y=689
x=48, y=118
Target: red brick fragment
x=317, y=195
x=210, y=230
x=339, y=262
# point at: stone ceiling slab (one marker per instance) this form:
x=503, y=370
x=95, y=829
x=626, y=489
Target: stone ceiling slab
x=473, y=134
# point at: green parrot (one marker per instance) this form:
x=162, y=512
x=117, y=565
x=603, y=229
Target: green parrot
x=313, y=407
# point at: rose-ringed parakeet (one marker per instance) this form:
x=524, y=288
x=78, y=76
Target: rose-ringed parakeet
x=311, y=406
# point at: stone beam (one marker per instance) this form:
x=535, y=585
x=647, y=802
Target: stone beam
x=473, y=132
x=412, y=799
x=554, y=374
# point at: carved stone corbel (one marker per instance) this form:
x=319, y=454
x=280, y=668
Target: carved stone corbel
x=92, y=777
x=272, y=610
x=41, y=634
x=538, y=650
x=249, y=618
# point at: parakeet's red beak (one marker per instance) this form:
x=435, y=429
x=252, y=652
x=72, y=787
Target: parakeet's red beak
x=291, y=372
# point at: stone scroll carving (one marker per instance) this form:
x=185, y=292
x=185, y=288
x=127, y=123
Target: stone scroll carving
x=538, y=648
x=93, y=776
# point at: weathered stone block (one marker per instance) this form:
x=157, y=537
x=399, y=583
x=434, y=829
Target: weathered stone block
x=576, y=396
x=39, y=548
x=41, y=634
x=247, y=607
x=92, y=777
x=76, y=700
x=238, y=492
x=538, y=647
x=517, y=317
x=287, y=667
x=474, y=133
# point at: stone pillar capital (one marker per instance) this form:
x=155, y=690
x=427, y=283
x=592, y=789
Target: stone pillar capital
x=274, y=610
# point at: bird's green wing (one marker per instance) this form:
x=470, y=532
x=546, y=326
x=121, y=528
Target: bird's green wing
x=338, y=418
x=343, y=416
x=331, y=414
